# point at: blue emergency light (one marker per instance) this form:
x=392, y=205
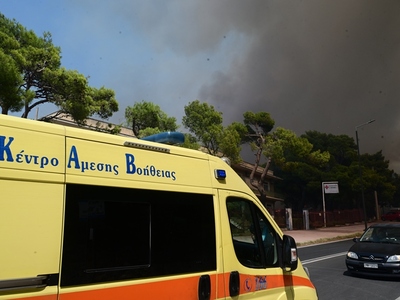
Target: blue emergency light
x=171, y=138
x=220, y=174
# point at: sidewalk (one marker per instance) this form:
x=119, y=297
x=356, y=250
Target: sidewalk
x=313, y=235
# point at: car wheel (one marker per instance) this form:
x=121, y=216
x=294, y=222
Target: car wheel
x=383, y=219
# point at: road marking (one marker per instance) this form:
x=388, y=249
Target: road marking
x=313, y=260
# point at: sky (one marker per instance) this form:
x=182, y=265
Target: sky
x=324, y=65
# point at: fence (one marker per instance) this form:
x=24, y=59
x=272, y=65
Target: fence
x=316, y=218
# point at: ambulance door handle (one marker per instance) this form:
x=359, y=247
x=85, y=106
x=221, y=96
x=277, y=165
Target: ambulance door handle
x=234, y=284
x=38, y=282
x=204, y=287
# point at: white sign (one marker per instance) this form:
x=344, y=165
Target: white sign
x=331, y=188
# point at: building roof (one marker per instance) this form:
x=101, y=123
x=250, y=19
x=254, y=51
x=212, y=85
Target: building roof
x=245, y=166
x=61, y=118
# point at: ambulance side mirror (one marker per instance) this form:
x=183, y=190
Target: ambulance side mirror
x=289, y=254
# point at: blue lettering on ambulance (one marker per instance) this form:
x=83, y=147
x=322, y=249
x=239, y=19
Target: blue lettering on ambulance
x=5, y=148
x=131, y=168
x=74, y=162
x=6, y=154
x=73, y=157
x=21, y=157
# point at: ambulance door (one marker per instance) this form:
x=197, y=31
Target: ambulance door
x=30, y=231
x=251, y=250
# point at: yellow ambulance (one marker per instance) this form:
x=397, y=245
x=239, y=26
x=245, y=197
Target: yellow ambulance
x=88, y=215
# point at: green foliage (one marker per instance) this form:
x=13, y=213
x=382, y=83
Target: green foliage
x=281, y=148
x=102, y=102
x=294, y=160
x=341, y=147
x=395, y=201
x=190, y=142
x=284, y=147
x=206, y=125
x=258, y=124
x=10, y=80
x=302, y=178
x=144, y=115
x=31, y=74
x=148, y=131
x=230, y=144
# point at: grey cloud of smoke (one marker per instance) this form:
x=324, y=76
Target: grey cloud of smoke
x=320, y=65
x=313, y=65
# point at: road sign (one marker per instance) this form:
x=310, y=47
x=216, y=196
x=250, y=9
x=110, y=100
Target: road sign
x=331, y=188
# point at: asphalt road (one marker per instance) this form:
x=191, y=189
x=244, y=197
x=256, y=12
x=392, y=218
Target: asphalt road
x=326, y=263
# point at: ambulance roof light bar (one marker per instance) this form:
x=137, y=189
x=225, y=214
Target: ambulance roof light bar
x=171, y=138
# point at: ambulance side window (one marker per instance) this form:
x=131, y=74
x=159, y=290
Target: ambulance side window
x=254, y=239
x=114, y=234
